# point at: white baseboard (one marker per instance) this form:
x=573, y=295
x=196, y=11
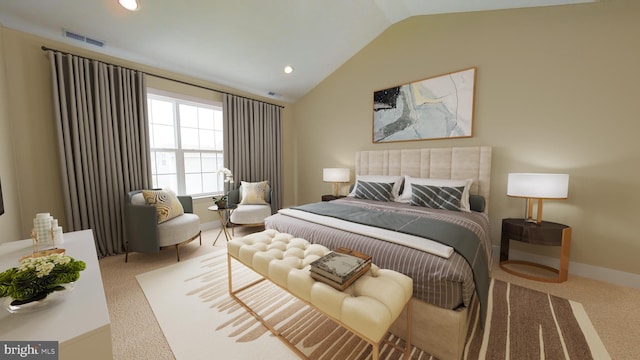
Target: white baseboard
x=589, y=271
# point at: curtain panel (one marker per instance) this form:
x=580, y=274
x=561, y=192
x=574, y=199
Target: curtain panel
x=103, y=143
x=253, y=142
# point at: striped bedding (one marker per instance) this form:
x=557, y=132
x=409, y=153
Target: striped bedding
x=447, y=283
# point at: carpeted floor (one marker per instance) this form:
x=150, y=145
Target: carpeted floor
x=522, y=322
x=137, y=335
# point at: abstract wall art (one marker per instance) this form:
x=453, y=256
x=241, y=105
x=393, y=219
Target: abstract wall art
x=440, y=107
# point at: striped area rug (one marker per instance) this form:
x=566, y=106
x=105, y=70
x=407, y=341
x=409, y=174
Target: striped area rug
x=200, y=321
x=528, y=324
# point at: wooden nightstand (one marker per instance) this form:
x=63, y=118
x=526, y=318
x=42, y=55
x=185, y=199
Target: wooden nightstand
x=544, y=233
x=331, y=197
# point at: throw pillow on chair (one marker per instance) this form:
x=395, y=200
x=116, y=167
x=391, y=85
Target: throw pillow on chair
x=253, y=193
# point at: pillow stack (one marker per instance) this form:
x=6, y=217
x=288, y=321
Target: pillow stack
x=448, y=194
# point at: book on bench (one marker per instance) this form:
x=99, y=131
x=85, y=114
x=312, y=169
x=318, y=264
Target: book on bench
x=344, y=285
x=340, y=268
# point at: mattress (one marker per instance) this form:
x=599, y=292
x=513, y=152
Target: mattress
x=444, y=282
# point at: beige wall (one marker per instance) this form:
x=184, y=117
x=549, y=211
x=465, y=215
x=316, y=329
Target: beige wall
x=10, y=223
x=556, y=91
x=29, y=168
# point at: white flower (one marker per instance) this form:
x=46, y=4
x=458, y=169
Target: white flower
x=43, y=264
x=225, y=171
x=228, y=175
x=44, y=269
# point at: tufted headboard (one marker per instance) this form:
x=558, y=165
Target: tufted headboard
x=472, y=162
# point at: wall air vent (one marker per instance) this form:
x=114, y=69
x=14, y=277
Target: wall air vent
x=82, y=38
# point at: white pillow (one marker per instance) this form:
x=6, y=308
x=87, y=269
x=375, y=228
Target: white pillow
x=408, y=180
x=396, y=180
x=253, y=193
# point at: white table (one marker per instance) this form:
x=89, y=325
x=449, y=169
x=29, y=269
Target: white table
x=80, y=322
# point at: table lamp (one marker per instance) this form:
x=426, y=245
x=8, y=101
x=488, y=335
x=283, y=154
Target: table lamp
x=336, y=176
x=537, y=186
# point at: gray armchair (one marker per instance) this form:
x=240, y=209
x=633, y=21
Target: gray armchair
x=249, y=214
x=144, y=233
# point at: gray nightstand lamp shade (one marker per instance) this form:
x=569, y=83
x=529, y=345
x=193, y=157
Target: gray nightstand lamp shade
x=537, y=186
x=336, y=176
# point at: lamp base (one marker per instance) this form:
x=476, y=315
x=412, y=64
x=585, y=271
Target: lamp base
x=538, y=220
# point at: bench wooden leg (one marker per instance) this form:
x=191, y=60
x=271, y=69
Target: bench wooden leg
x=407, y=352
x=230, y=280
x=260, y=319
x=375, y=352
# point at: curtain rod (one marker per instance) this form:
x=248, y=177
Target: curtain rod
x=161, y=76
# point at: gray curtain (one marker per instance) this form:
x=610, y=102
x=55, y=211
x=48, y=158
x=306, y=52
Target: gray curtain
x=103, y=143
x=253, y=142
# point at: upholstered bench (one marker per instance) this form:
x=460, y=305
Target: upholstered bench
x=367, y=308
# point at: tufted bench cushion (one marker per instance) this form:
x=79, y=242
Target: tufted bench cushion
x=368, y=307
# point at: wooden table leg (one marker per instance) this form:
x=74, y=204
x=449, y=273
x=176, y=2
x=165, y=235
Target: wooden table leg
x=563, y=270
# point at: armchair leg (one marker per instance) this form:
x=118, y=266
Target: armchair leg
x=178, y=252
x=126, y=256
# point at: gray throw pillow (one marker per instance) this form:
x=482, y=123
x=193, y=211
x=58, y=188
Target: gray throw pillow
x=374, y=191
x=477, y=203
x=436, y=197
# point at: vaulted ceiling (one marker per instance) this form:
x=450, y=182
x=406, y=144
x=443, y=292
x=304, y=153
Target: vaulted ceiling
x=243, y=44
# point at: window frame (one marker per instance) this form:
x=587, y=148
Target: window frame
x=177, y=99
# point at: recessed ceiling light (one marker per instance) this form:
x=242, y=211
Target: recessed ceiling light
x=131, y=5
x=288, y=69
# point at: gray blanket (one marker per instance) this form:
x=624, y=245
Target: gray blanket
x=464, y=241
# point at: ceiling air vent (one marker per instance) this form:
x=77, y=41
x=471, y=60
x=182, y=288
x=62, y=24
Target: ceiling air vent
x=82, y=38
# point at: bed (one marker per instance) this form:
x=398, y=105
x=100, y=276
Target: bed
x=450, y=276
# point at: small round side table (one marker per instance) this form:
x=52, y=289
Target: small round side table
x=223, y=215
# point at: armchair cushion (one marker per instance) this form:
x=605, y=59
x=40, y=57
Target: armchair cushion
x=253, y=193
x=178, y=229
x=250, y=214
x=166, y=202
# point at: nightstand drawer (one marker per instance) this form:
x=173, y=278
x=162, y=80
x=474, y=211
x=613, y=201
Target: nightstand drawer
x=512, y=232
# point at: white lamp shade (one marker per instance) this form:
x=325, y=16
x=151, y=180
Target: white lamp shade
x=539, y=186
x=335, y=174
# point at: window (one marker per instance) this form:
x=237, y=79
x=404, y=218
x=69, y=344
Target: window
x=185, y=137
